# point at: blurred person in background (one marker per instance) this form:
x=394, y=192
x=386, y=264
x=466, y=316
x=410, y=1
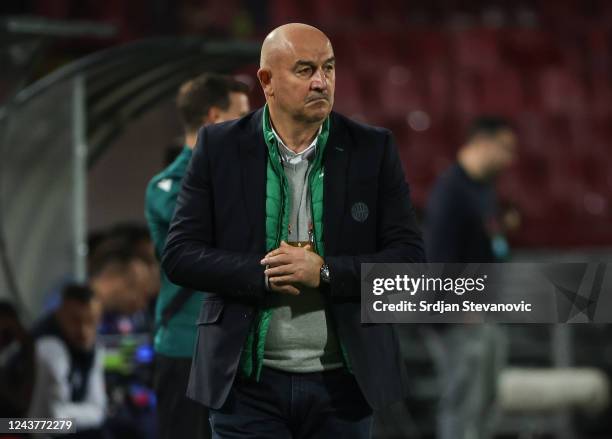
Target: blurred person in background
x=463, y=223
x=129, y=254
x=69, y=378
x=120, y=273
x=462, y=216
x=138, y=238
x=16, y=364
x=207, y=99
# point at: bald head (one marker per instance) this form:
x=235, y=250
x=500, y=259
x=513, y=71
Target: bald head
x=297, y=74
x=282, y=41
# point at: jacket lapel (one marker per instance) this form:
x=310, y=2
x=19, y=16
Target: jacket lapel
x=336, y=166
x=253, y=167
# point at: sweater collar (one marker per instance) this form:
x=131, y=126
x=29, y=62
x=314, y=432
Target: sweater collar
x=277, y=148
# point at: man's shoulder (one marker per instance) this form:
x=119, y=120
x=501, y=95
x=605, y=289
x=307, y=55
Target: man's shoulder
x=220, y=139
x=163, y=182
x=50, y=348
x=168, y=181
x=175, y=170
x=449, y=185
x=245, y=125
x=160, y=188
x=356, y=127
x=451, y=177
x=369, y=139
x=251, y=125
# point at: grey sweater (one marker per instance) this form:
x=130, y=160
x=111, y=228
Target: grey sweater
x=301, y=336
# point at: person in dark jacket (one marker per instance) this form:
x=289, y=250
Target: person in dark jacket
x=276, y=214
x=463, y=224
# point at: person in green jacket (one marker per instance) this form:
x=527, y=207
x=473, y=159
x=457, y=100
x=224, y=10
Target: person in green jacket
x=207, y=99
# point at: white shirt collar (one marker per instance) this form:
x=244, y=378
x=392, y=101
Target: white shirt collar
x=287, y=155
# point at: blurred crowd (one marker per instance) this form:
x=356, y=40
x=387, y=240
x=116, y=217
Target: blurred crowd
x=56, y=368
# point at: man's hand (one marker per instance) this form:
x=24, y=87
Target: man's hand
x=290, y=269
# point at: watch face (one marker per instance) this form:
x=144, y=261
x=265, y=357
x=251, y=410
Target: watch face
x=325, y=273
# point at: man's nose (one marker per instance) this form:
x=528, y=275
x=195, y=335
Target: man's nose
x=319, y=80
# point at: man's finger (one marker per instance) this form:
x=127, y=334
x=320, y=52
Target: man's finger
x=275, y=252
x=277, y=260
x=280, y=270
x=282, y=280
x=269, y=255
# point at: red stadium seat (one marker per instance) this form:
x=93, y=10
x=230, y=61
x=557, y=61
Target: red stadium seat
x=371, y=51
x=502, y=92
x=467, y=98
x=349, y=94
x=438, y=82
x=284, y=11
x=561, y=92
x=400, y=91
x=333, y=15
x=530, y=48
x=476, y=50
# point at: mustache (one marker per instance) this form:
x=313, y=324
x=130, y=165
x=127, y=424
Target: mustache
x=317, y=96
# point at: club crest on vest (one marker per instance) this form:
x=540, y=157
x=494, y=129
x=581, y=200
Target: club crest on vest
x=360, y=211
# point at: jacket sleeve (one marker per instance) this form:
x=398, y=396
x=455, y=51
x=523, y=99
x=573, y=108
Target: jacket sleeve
x=398, y=236
x=191, y=258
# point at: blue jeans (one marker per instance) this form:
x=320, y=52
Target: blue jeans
x=294, y=405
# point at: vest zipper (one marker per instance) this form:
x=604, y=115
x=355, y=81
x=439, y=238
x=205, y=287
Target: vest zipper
x=279, y=231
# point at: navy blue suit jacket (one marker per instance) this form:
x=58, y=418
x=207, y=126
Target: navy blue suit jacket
x=217, y=238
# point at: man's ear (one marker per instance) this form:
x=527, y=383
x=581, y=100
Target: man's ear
x=265, y=79
x=213, y=115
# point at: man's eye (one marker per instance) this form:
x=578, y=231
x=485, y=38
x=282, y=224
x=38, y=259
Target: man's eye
x=329, y=68
x=303, y=71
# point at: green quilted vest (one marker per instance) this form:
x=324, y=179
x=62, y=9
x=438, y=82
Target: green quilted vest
x=277, y=220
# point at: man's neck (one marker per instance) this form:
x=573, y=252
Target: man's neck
x=191, y=139
x=296, y=136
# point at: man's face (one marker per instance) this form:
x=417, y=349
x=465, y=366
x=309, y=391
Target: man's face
x=126, y=287
x=302, y=80
x=79, y=322
x=504, y=151
x=238, y=107
x=498, y=150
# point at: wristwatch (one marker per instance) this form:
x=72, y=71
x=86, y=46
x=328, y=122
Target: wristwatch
x=325, y=277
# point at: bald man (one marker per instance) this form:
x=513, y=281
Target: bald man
x=277, y=212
